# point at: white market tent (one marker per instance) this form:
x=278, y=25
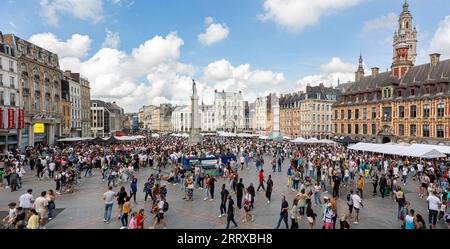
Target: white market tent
x=312, y=141
x=440, y=148
x=298, y=140
x=129, y=138
x=399, y=150
x=155, y=135
x=287, y=137
x=74, y=139
x=263, y=137
x=327, y=141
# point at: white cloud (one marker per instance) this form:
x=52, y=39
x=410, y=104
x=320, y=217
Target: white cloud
x=153, y=74
x=222, y=75
x=387, y=22
x=112, y=39
x=117, y=75
x=337, y=65
x=82, y=9
x=215, y=32
x=77, y=46
x=330, y=73
x=209, y=20
x=295, y=15
x=441, y=39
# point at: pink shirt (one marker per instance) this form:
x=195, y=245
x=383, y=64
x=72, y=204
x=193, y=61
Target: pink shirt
x=133, y=224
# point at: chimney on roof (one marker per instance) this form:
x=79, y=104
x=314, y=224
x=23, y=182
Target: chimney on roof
x=375, y=71
x=434, y=59
x=322, y=87
x=308, y=88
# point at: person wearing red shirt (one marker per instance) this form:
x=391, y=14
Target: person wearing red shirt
x=140, y=219
x=261, y=180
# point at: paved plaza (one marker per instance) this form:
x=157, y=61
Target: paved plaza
x=84, y=208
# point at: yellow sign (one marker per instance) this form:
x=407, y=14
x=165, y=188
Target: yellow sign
x=38, y=128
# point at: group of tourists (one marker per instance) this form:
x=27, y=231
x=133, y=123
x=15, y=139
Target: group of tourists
x=319, y=179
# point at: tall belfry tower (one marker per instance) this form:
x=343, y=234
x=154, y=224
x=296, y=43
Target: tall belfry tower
x=404, y=44
x=406, y=33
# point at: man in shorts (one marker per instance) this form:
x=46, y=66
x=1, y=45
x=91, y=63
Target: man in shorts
x=41, y=206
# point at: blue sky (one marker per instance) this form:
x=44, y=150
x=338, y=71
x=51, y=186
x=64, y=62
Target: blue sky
x=278, y=44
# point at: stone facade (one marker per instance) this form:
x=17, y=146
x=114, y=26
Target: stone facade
x=407, y=104
x=10, y=98
x=267, y=114
x=161, y=119
x=308, y=114
x=40, y=80
x=229, y=110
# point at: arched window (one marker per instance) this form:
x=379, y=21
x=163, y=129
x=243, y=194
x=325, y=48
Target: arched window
x=35, y=72
x=23, y=68
x=407, y=25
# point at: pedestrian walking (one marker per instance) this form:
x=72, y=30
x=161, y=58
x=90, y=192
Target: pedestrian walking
x=283, y=212
x=108, y=197
x=223, y=201
x=269, y=188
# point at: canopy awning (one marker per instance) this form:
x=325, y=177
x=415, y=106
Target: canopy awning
x=399, y=150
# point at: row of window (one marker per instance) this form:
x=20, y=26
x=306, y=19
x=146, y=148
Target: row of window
x=440, y=130
x=308, y=107
x=388, y=93
x=440, y=112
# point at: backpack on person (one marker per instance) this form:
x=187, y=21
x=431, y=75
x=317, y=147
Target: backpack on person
x=166, y=207
x=349, y=199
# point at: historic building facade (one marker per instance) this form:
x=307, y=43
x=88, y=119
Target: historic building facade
x=181, y=119
x=229, y=110
x=40, y=81
x=407, y=104
x=315, y=111
x=308, y=114
x=267, y=114
x=161, y=118
x=145, y=117
x=72, y=86
x=11, y=113
x=290, y=114
x=106, y=118
x=207, y=117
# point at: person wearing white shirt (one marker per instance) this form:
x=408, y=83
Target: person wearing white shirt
x=433, y=209
x=51, y=168
x=26, y=200
x=357, y=204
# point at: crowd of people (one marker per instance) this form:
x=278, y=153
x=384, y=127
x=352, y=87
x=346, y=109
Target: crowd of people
x=316, y=175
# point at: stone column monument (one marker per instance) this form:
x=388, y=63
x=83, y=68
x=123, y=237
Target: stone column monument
x=195, y=137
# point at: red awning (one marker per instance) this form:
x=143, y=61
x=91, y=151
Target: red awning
x=120, y=134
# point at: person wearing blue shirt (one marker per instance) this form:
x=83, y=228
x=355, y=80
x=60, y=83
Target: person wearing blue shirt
x=133, y=189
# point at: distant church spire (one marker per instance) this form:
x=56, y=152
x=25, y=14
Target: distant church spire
x=359, y=74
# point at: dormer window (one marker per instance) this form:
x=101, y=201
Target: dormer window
x=427, y=90
x=413, y=92
x=399, y=93
x=387, y=93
